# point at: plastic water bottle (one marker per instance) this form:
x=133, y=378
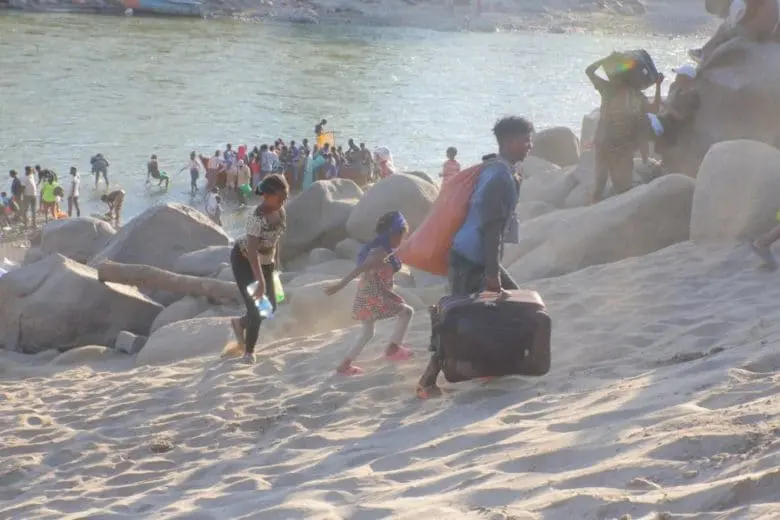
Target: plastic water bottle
x=263, y=304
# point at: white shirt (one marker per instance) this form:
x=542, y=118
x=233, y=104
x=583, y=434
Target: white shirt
x=30, y=187
x=75, y=182
x=214, y=163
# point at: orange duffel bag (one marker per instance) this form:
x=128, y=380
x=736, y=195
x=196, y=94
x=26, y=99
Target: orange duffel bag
x=428, y=247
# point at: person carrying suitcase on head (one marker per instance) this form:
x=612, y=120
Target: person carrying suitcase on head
x=476, y=249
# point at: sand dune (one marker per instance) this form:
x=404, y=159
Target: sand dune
x=662, y=403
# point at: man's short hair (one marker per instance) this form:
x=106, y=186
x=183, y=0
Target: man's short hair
x=512, y=126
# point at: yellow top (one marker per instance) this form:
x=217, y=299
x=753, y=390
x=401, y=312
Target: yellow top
x=47, y=192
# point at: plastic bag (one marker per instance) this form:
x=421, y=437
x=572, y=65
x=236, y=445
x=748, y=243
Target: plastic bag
x=428, y=247
x=278, y=289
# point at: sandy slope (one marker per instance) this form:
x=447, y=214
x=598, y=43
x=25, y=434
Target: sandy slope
x=663, y=397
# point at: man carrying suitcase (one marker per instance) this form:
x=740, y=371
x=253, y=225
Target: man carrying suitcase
x=476, y=250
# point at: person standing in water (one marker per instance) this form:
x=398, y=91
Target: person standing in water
x=99, y=167
x=194, y=166
x=73, y=194
x=474, y=264
x=30, y=200
x=253, y=259
x=375, y=299
x=153, y=171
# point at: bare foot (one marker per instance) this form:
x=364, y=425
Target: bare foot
x=238, y=330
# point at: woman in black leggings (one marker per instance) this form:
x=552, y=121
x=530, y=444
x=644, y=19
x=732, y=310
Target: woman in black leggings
x=253, y=259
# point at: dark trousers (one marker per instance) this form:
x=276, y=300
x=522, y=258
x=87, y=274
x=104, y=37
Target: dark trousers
x=242, y=272
x=465, y=278
x=194, y=175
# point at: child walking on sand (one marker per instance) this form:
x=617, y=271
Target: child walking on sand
x=375, y=299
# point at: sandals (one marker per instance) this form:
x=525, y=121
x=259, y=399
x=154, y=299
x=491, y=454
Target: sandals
x=401, y=354
x=351, y=370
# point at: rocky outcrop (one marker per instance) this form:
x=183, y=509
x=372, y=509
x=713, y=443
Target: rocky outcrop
x=59, y=303
x=645, y=219
x=558, y=145
x=185, y=339
x=739, y=91
x=737, y=192
x=160, y=235
x=318, y=216
x=410, y=195
x=76, y=238
x=184, y=309
x=204, y=262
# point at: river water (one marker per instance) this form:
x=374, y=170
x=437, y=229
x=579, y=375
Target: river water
x=72, y=86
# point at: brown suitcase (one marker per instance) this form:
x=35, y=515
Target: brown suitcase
x=486, y=336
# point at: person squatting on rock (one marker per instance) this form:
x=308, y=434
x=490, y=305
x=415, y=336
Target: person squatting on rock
x=755, y=20
x=114, y=200
x=375, y=298
x=623, y=127
x=474, y=264
x=253, y=258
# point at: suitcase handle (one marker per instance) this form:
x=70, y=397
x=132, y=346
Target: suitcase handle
x=503, y=295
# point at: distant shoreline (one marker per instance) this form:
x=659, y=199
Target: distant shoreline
x=662, y=18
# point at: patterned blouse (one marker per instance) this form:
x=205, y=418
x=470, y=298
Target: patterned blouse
x=268, y=229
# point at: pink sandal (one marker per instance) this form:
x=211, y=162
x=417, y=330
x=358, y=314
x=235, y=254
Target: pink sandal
x=351, y=370
x=401, y=354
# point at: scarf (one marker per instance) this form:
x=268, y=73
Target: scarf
x=383, y=241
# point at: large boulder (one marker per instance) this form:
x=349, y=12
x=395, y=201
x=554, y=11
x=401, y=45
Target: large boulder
x=85, y=355
x=203, y=262
x=737, y=192
x=558, y=145
x=552, y=188
x=348, y=249
x=318, y=216
x=533, y=166
x=77, y=238
x=184, y=309
x=186, y=339
x=646, y=219
x=590, y=123
x=60, y=303
x=160, y=235
x=334, y=268
x=739, y=90
x=530, y=210
x=410, y=195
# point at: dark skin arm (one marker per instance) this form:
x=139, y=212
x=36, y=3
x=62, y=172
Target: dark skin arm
x=656, y=104
x=598, y=82
x=374, y=261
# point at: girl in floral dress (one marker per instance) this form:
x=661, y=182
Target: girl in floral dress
x=375, y=299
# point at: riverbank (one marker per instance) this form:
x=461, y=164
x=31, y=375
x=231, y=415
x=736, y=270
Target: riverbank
x=663, y=17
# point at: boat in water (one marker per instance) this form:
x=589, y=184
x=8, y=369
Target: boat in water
x=165, y=7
